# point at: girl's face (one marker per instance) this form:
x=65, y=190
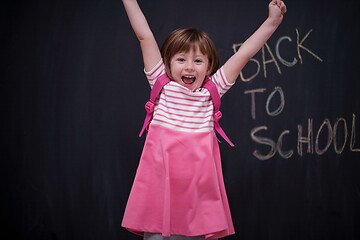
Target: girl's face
x=189, y=69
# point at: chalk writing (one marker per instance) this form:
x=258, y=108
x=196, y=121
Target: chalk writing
x=352, y=139
x=327, y=135
x=264, y=141
x=283, y=61
x=299, y=46
x=253, y=104
x=330, y=137
x=273, y=59
x=282, y=102
x=270, y=97
x=283, y=154
x=308, y=140
x=337, y=150
x=274, y=146
x=235, y=47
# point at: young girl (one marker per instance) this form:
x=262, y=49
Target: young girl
x=178, y=191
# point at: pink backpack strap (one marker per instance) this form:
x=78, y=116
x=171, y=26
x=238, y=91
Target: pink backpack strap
x=215, y=96
x=149, y=106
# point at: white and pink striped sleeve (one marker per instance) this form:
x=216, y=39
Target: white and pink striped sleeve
x=221, y=82
x=154, y=73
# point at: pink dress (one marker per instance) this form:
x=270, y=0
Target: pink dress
x=179, y=187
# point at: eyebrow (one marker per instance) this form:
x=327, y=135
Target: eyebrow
x=181, y=54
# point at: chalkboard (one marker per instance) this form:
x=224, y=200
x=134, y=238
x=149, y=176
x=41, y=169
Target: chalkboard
x=72, y=97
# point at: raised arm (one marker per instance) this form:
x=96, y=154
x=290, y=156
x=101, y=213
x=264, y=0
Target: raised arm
x=149, y=48
x=254, y=43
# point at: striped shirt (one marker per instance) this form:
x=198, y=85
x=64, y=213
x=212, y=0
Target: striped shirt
x=181, y=109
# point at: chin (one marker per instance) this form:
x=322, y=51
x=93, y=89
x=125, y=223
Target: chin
x=193, y=87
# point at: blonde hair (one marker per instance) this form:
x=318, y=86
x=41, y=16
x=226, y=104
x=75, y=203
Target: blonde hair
x=184, y=39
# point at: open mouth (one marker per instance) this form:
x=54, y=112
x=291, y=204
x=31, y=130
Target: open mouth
x=188, y=79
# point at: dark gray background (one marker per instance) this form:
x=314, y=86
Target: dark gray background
x=72, y=95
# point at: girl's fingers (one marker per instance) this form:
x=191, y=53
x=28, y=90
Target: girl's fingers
x=278, y=3
x=283, y=7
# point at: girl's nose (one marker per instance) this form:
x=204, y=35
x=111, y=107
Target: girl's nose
x=189, y=66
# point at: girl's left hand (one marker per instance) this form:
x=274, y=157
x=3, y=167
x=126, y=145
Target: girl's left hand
x=277, y=9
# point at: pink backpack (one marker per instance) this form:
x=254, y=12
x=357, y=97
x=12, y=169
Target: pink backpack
x=208, y=84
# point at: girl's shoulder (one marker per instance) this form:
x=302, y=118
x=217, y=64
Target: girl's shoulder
x=220, y=81
x=156, y=72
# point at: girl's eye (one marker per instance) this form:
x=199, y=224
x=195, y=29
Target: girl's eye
x=198, y=61
x=181, y=59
